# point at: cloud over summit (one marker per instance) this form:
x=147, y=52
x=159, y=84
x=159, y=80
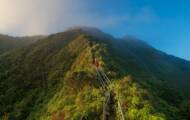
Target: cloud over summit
x=29, y=17
x=38, y=16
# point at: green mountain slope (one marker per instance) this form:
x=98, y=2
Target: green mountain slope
x=54, y=78
x=9, y=43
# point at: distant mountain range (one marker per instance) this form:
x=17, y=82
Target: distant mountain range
x=53, y=78
x=9, y=42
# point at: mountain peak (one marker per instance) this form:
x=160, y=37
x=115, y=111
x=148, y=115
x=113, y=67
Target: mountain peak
x=93, y=31
x=84, y=28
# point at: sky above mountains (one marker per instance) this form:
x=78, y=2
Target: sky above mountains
x=163, y=24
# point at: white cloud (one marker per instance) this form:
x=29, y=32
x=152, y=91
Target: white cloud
x=27, y=17
x=39, y=16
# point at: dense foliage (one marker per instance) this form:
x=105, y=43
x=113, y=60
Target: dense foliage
x=54, y=79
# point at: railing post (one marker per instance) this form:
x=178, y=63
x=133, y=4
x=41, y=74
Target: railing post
x=104, y=110
x=121, y=111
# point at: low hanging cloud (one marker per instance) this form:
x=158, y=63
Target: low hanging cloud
x=39, y=16
x=29, y=17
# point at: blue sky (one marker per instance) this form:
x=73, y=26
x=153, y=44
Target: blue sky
x=165, y=24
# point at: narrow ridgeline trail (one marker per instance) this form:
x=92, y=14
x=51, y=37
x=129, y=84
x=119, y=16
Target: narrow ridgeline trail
x=110, y=101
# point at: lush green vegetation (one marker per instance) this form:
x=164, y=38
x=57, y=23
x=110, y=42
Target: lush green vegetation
x=54, y=79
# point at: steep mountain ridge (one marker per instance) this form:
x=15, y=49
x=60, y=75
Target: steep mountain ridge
x=54, y=78
x=164, y=67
